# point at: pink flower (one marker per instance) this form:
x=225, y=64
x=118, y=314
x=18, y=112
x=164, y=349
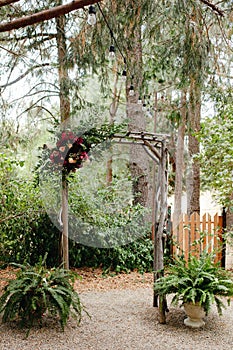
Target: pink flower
x=64, y=136
x=62, y=148
x=70, y=135
x=83, y=155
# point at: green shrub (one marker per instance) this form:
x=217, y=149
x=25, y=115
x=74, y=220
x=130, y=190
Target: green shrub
x=135, y=255
x=36, y=291
x=26, y=231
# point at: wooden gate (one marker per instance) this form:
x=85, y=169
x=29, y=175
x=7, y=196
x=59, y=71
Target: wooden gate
x=195, y=234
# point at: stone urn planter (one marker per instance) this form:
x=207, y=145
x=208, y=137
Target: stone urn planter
x=195, y=314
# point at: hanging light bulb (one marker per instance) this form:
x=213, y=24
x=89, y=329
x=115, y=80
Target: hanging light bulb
x=91, y=19
x=124, y=75
x=144, y=107
x=111, y=54
x=131, y=90
x=139, y=100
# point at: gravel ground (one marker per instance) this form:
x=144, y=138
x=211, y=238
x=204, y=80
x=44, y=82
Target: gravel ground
x=123, y=319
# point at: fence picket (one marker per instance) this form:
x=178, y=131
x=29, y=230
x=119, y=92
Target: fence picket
x=190, y=231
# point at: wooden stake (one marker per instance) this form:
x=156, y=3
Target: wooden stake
x=65, y=232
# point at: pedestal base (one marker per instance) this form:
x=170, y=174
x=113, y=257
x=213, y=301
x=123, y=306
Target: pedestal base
x=195, y=315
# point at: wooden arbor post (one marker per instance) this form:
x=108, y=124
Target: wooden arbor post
x=160, y=220
x=65, y=224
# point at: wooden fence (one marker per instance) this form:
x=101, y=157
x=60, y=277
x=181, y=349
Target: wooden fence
x=195, y=234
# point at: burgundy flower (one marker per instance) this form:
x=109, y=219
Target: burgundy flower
x=79, y=141
x=56, y=153
x=59, y=143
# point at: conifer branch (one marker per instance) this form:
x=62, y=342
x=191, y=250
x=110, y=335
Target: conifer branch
x=24, y=75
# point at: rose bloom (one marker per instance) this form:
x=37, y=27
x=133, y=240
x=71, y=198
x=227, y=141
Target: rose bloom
x=56, y=153
x=72, y=160
x=70, y=135
x=59, y=143
x=83, y=155
x=63, y=136
x=79, y=140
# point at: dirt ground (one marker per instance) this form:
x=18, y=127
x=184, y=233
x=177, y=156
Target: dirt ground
x=96, y=280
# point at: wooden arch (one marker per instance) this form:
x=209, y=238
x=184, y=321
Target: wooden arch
x=155, y=146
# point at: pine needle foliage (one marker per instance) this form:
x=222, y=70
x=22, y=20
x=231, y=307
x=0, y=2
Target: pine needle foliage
x=198, y=280
x=37, y=291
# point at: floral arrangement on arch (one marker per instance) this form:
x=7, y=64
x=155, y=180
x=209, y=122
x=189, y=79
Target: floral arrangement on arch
x=71, y=148
x=70, y=152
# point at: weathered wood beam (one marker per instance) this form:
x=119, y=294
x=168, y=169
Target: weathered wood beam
x=45, y=15
x=213, y=7
x=7, y=2
x=151, y=155
x=152, y=148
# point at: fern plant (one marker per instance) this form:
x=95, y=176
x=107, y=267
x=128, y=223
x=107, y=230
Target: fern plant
x=37, y=291
x=198, y=280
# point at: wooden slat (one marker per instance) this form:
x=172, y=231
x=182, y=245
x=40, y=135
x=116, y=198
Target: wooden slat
x=197, y=234
x=181, y=233
x=186, y=236
x=220, y=237
x=204, y=231
x=192, y=230
x=210, y=238
x=189, y=231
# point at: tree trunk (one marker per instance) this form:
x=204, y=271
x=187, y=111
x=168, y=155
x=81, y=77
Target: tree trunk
x=139, y=162
x=65, y=114
x=193, y=188
x=113, y=110
x=154, y=168
x=179, y=161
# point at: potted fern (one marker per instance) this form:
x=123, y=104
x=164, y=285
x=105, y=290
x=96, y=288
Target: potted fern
x=37, y=291
x=196, y=284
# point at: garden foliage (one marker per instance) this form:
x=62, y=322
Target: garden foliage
x=26, y=231
x=37, y=291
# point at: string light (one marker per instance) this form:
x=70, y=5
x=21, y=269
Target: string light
x=112, y=54
x=124, y=75
x=131, y=91
x=139, y=100
x=91, y=19
x=114, y=41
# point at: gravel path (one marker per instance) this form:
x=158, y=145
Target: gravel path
x=124, y=319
